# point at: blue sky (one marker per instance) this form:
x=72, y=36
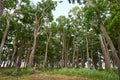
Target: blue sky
x=62, y=8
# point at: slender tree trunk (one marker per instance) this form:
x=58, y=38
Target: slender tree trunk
x=74, y=52
x=77, y=62
x=18, y=60
x=65, y=52
x=46, y=50
x=105, y=53
x=27, y=57
x=109, y=41
x=31, y=58
x=93, y=63
x=88, y=55
x=87, y=49
x=63, y=49
x=73, y=57
x=82, y=60
x=5, y=34
x=13, y=55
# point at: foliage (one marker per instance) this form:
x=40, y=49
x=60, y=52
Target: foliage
x=68, y=33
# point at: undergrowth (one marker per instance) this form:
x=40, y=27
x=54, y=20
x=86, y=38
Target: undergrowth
x=89, y=73
x=10, y=72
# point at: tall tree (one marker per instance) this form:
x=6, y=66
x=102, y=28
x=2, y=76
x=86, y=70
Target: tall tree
x=98, y=15
x=43, y=10
x=5, y=33
x=8, y=17
x=48, y=34
x=105, y=53
x=94, y=7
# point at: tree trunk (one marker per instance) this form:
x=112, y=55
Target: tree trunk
x=31, y=58
x=65, y=52
x=105, y=53
x=109, y=41
x=114, y=53
x=88, y=55
x=27, y=58
x=82, y=59
x=5, y=34
x=13, y=55
x=77, y=62
x=46, y=50
x=93, y=63
x=87, y=49
x=73, y=57
x=18, y=60
x=63, y=49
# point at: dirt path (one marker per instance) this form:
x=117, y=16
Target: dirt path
x=45, y=77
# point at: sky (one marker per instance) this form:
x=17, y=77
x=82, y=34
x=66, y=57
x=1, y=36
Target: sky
x=61, y=9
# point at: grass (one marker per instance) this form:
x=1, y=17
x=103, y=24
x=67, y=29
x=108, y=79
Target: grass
x=9, y=72
x=93, y=74
x=87, y=73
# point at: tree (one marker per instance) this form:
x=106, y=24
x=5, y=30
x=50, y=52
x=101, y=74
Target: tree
x=103, y=30
x=8, y=17
x=40, y=16
x=62, y=20
x=5, y=33
x=48, y=34
x=94, y=6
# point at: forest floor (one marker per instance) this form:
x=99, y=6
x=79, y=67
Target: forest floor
x=43, y=76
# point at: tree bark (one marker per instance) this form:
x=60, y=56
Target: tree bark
x=89, y=62
x=74, y=53
x=87, y=49
x=36, y=30
x=31, y=58
x=73, y=57
x=15, y=49
x=77, y=58
x=63, y=49
x=105, y=53
x=46, y=50
x=18, y=59
x=66, y=52
x=5, y=33
x=83, y=60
